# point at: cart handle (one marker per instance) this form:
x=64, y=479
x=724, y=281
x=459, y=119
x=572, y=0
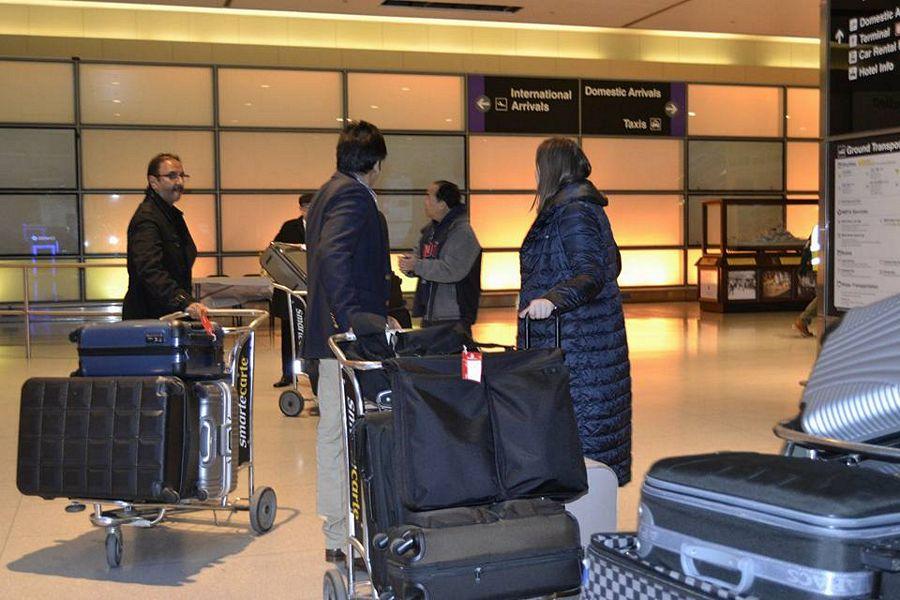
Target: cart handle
x=258, y=317
x=287, y=290
x=784, y=431
x=358, y=365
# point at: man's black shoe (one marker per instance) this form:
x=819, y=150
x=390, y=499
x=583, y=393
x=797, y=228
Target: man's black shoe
x=283, y=382
x=338, y=556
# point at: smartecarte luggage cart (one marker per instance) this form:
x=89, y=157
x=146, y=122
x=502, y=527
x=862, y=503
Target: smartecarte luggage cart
x=260, y=503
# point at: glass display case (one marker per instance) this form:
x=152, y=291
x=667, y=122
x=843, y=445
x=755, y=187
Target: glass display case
x=752, y=251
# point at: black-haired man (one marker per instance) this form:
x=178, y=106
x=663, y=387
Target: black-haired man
x=349, y=273
x=161, y=251
x=448, y=261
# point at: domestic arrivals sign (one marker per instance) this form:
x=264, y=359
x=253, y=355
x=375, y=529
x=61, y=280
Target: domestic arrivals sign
x=522, y=105
x=632, y=108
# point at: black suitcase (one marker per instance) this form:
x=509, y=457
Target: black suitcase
x=150, y=347
x=773, y=526
x=133, y=439
x=514, y=549
x=286, y=264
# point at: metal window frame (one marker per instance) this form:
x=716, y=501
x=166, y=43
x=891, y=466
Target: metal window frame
x=216, y=128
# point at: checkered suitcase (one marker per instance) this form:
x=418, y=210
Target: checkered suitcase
x=615, y=572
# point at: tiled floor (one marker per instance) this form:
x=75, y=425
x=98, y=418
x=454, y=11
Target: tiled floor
x=702, y=382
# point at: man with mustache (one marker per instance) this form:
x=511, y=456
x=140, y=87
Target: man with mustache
x=161, y=251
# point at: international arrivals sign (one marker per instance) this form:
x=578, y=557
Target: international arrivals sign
x=523, y=105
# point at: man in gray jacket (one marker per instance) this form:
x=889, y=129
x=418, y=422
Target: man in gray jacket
x=447, y=262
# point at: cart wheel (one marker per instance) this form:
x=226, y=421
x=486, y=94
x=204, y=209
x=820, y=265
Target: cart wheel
x=290, y=403
x=333, y=586
x=263, y=505
x=114, y=548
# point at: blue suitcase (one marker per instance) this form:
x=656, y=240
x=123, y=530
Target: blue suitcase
x=179, y=348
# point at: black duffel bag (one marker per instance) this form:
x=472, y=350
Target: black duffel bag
x=460, y=442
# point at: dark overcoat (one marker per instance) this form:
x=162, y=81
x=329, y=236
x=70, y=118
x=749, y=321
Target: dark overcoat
x=570, y=257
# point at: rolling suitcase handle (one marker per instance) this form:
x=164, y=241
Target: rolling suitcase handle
x=555, y=315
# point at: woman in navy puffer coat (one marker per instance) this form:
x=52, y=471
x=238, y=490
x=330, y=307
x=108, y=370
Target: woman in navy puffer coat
x=569, y=262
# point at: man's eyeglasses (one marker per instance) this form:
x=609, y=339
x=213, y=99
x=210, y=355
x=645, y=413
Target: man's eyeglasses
x=173, y=176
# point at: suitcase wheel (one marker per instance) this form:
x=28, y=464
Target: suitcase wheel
x=263, y=504
x=114, y=548
x=290, y=403
x=333, y=586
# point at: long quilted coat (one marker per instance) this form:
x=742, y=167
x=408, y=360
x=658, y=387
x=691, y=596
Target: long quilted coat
x=570, y=258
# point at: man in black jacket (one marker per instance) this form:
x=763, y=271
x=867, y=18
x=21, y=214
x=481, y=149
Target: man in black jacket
x=292, y=231
x=349, y=273
x=161, y=251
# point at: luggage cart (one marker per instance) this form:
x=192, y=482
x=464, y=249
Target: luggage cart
x=291, y=401
x=342, y=584
x=261, y=503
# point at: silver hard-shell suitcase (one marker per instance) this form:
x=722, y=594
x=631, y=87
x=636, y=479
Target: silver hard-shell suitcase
x=218, y=439
x=286, y=264
x=853, y=392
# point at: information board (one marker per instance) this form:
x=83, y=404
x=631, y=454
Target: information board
x=866, y=221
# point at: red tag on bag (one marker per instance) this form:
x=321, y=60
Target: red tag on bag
x=471, y=366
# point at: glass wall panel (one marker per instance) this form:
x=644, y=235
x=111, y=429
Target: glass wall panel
x=204, y=266
x=117, y=159
x=801, y=218
x=414, y=161
x=280, y=98
x=44, y=284
x=723, y=165
x=500, y=271
x=646, y=220
x=693, y=255
x=407, y=284
x=803, y=166
x=37, y=158
x=39, y=225
x=502, y=163
x=42, y=92
x=651, y=267
x=143, y=95
x=803, y=112
x=632, y=164
x=735, y=110
x=106, y=218
x=239, y=266
x=397, y=101
x=250, y=222
x=254, y=160
x=501, y=221
x=405, y=217
x=105, y=283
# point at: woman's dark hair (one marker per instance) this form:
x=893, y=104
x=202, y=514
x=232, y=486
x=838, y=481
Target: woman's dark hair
x=360, y=147
x=448, y=193
x=305, y=199
x=153, y=165
x=559, y=161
